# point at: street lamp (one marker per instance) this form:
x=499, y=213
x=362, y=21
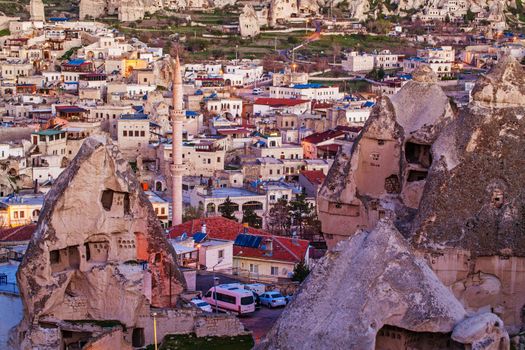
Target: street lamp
x=155, y=329
x=215, y=280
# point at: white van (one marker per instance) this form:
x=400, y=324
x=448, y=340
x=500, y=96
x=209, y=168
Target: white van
x=230, y=298
x=258, y=288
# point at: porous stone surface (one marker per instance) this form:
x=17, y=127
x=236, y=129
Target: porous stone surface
x=36, y=10
x=366, y=282
x=485, y=216
x=98, y=252
x=483, y=331
x=248, y=22
x=385, y=168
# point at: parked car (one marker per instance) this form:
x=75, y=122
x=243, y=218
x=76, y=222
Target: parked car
x=257, y=91
x=257, y=299
x=231, y=298
x=201, y=304
x=289, y=298
x=272, y=299
x=258, y=288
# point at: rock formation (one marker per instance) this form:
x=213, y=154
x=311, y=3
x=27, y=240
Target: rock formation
x=384, y=284
x=282, y=10
x=362, y=9
x=390, y=160
x=92, y=9
x=127, y=10
x=451, y=181
x=99, y=257
x=478, y=227
x=36, y=10
x=131, y=10
x=248, y=22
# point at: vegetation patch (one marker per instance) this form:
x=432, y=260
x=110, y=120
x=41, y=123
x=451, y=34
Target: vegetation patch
x=192, y=342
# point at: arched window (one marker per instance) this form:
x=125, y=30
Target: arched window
x=254, y=205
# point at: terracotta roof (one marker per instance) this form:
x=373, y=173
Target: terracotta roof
x=279, y=102
x=319, y=137
x=17, y=234
x=314, y=176
x=334, y=147
x=284, y=248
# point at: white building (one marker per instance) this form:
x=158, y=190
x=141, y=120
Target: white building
x=358, y=62
x=310, y=91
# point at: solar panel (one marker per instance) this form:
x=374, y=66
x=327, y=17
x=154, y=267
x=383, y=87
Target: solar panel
x=240, y=240
x=253, y=242
x=199, y=237
x=258, y=240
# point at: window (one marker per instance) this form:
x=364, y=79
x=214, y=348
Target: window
x=221, y=254
x=274, y=270
x=142, y=133
x=254, y=268
x=22, y=214
x=125, y=133
x=15, y=214
x=136, y=133
x=374, y=156
x=225, y=298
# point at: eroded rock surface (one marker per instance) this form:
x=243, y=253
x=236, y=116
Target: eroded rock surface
x=387, y=166
x=369, y=281
x=98, y=252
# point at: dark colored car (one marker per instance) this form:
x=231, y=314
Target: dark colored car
x=257, y=299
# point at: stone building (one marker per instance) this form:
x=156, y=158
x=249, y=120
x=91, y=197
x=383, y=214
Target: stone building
x=36, y=10
x=99, y=263
x=248, y=22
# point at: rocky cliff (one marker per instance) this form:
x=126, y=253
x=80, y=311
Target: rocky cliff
x=361, y=9
x=98, y=254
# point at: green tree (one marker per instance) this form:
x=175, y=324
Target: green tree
x=191, y=213
x=300, y=212
x=300, y=272
x=470, y=16
x=227, y=209
x=251, y=218
x=279, y=218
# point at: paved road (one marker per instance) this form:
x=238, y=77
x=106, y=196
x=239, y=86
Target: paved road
x=205, y=282
x=261, y=321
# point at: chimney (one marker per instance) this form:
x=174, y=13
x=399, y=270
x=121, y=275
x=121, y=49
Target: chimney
x=203, y=228
x=295, y=241
x=268, y=243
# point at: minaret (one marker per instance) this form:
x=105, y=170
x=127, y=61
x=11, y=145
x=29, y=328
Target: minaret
x=177, y=167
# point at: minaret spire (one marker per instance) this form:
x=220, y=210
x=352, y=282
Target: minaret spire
x=177, y=168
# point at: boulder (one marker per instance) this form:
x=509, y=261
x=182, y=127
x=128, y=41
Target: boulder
x=368, y=281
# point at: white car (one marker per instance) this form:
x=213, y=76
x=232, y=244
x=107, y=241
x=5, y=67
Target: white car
x=257, y=91
x=272, y=299
x=201, y=304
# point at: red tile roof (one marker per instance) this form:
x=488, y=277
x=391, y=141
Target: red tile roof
x=279, y=102
x=284, y=248
x=319, y=137
x=17, y=234
x=314, y=176
x=334, y=147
